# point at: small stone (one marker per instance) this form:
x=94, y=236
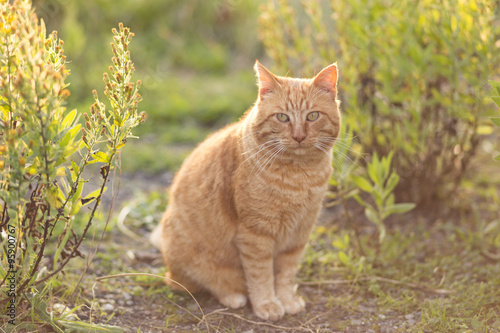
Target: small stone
x=192, y=307
x=126, y=296
x=381, y=316
x=59, y=307
x=107, y=307
x=249, y=331
x=64, y=311
x=129, y=303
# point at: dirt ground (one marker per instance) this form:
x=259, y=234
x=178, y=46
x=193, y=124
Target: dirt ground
x=135, y=307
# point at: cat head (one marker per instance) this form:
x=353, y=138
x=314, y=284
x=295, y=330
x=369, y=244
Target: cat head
x=301, y=114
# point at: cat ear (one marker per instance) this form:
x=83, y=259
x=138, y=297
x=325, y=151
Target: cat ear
x=327, y=79
x=268, y=82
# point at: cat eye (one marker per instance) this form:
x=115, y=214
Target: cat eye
x=282, y=117
x=313, y=116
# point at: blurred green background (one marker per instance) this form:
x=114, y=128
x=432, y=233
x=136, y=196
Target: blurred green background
x=194, y=58
x=414, y=75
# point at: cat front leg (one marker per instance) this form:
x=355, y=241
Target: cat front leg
x=286, y=267
x=256, y=253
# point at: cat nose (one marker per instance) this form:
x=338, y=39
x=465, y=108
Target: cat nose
x=299, y=137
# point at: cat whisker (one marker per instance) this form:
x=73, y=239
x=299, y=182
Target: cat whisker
x=343, y=145
x=346, y=138
x=269, y=153
x=261, y=146
x=347, y=148
x=270, y=159
x=345, y=156
x=330, y=140
x=269, y=162
x=338, y=139
x=324, y=150
x=273, y=157
x=338, y=166
x=336, y=151
x=268, y=144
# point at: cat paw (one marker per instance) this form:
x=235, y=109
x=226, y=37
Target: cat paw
x=269, y=310
x=234, y=301
x=294, y=304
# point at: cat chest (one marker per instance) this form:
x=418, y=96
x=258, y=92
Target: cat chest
x=283, y=209
x=289, y=188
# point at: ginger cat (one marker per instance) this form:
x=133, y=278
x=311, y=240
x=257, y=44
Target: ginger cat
x=244, y=202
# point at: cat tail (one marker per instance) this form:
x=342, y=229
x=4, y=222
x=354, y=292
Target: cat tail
x=155, y=236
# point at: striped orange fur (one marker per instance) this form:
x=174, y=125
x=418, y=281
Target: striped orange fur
x=244, y=202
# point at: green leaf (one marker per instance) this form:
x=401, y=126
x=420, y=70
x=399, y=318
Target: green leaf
x=495, y=85
x=362, y=183
x=343, y=258
x=339, y=243
x=65, y=140
x=92, y=196
x=497, y=157
x=75, y=130
x=377, y=197
x=485, y=129
x=496, y=121
x=390, y=200
x=386, y=166
x=346, y=240
x=59, y=135
x=101, y=157
x=61, y=247
x=75, y=207
x=76, y=169
x=476, y=324
x=52, y=196
x=391, y=184
x=496, y=99
x=68, y=120
x=361, y=201
x=78, y=192
x=81, y=327
x=399, y=208
x=333, y=182
x=373, y=168
x=69, y=176
x=372, y=216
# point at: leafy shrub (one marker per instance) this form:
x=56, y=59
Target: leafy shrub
x=343, y=186
x=379, y=183
x=380, y=186
x=45, y=150
x=411, y=76
x=496, y=99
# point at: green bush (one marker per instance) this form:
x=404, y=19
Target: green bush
x=496, y=99
x=45, y=151
x=412, y=76
x=193, y=55
x=380, y=184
